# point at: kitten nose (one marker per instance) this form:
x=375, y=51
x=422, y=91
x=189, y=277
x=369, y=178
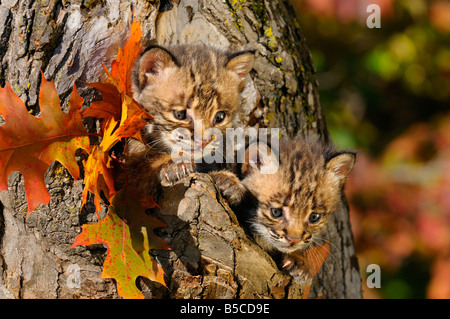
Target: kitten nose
x=293, y=239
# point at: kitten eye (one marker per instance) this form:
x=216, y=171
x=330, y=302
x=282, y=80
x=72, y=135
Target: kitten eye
x=180, y=115
x=314, y=218
x=276, y=212
x=220, y=116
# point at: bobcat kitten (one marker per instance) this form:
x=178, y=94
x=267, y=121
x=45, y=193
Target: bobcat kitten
x=193, y=87
x=287, y=211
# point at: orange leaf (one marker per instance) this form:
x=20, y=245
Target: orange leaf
x=118, y=83
x=116, y=105
x=119, y=106
x=133, y=118
x=131, y=122
x=99, y=177
x=110, y=106
x=99, y=171
x=30, y=144
x=316, y=257
x=128, y=232
x=122, y=67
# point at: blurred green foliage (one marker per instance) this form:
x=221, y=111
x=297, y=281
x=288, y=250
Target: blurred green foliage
x=374, y=83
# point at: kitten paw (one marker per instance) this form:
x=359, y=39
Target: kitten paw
x=229, y=185
x=297, y=268
x=174, y=172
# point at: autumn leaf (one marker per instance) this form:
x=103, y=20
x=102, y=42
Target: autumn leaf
x=126, y=230
x=120, y=106
x=117, y=89
x=99, y=167
x=129, y=234
x=109, y=106
x=133, y=119
x=122, y=117
x=99, y=177
x=122, y=67
x=30, y=144
x=316, y=256
x=118, y=81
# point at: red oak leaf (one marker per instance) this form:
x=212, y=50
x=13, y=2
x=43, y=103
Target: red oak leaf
x=121, y=68
x=122, y=117
x=30, y=144
x=128, y=232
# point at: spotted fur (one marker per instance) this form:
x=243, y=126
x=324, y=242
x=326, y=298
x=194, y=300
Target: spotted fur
x=309, y=180
x=196, y=81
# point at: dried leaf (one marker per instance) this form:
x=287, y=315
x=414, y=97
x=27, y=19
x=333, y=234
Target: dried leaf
x=316, y=257
x=99, y=170
x=127, y=230
x=121, y=68
x=116, y=105
x=99, y=177
x=128, y=233
x=110, y=106
x=30, y=144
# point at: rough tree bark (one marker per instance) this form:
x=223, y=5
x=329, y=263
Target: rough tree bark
x=212, y=257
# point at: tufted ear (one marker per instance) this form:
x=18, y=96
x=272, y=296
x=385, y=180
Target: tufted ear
x=341, y=164
x=151, y=64
x=241, y=63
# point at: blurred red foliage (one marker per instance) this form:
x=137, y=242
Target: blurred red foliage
x=356, y=10
x=440, y=15
x=346, y=10
x=400, y=203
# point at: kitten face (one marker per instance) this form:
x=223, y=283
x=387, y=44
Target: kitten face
x=296, y=201
x=189, y=89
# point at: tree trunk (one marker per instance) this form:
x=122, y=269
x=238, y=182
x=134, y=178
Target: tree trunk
x=212, y=257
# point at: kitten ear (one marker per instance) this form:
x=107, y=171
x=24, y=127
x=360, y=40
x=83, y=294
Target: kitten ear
x=261, y=157
x=151, y=64
x=241, y=63
x=341, y=165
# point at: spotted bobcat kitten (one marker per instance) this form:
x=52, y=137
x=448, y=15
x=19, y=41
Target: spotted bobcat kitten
x=287, y=211
x=192, y=88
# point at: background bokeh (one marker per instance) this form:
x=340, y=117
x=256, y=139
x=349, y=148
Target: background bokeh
x=385, y=92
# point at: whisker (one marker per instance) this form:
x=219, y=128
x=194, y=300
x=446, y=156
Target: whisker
x=154, y=144
x=329, y=251
x=325, y=241
x=329, y=241
x=316, y=258
x=319, y=258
